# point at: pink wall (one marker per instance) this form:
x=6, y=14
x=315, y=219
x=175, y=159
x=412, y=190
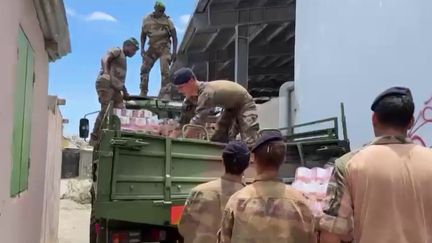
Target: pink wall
x=21, y=217
x=51, y=205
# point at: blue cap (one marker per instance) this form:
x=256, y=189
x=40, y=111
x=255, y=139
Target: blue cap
x=236, y=147
x=266, y=137
x=393, y=91
x=182, y=76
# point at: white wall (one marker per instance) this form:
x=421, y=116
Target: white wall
x=350, y=51
x=268, y=117
x=21, y=217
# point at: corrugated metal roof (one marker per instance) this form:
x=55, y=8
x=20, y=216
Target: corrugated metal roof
x=209, y=48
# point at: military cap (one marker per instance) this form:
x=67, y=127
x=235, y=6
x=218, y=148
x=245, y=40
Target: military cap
x=236, y=147
x=266, y=137
x=393, y=91
x=133, y=41
x=160, y=4
x=182, y=76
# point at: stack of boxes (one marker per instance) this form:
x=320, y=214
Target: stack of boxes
x=144, y=121
x=313, y=183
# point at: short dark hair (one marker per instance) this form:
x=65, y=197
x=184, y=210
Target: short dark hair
x=271, y=155
x=235, y=164
x=395, y=111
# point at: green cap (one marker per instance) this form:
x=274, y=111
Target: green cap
x=160, y=4
x=133, y=41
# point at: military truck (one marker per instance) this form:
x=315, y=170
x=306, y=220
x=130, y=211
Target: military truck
x=141, y=181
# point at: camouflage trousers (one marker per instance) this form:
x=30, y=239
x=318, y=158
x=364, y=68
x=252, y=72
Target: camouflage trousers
x=150, y=57
x=106, y=94
x=242, y=120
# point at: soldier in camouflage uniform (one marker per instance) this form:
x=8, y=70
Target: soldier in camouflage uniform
x=110, y=86
x=381, y=192
x=267, y=210
x=110, y=83
x=159, y=28
x=202, y=214
x=239, y=109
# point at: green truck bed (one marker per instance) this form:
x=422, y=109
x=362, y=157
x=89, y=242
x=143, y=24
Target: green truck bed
x=140, y=176
x=145, y=179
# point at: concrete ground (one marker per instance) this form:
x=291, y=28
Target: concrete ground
x=74, y=222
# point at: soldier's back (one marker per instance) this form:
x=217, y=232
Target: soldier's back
x=158, y=29
x=227, y=94
x=270, y=211
x=203, y=210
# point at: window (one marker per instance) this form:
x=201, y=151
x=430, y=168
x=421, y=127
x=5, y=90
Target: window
x=23, y=96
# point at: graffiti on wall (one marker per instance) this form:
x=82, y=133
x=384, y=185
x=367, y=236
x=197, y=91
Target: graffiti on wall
x=423, y=120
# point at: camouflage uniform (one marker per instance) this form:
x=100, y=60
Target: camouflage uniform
x=159, y=47
x=202, y=214
x=240, y=110
x=381, y=193
x=267, y=211
x=110, y=89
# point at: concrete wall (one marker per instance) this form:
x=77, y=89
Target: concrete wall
x=267, y=117
x=86, y=164
x=349, y=51
x=21, y=217
x=50, y=218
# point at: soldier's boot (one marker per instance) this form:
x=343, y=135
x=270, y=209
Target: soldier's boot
x=165, y=93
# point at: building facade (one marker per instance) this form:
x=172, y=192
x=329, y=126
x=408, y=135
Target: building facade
x=33, y=34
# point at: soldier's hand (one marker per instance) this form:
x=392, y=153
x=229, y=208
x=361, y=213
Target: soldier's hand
x=106, y=76
x=126, y=96
x=175, y=133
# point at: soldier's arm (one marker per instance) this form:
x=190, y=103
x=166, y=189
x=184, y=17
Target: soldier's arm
x=227, y=224
x=143, y=36
x=198, y=221
x=203, y=108
x=109, y=56
x=187, y=112
x=143, y=40
x=125, y=93
x=337, y=221
x=187, y=222
x=106, y=63
x=173, y=32
x=174, y=41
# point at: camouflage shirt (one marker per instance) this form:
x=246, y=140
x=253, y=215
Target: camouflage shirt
x=220, y=93
x=203, y=209
x=267, y=211
x=383, y=192
x=158, y=30
x=118, y=68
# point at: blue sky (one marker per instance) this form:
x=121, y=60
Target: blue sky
x=95, y=26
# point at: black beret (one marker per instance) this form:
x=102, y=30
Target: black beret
x=393, y=91
x=236, y=147
x=266, y=137
x=182, y=76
